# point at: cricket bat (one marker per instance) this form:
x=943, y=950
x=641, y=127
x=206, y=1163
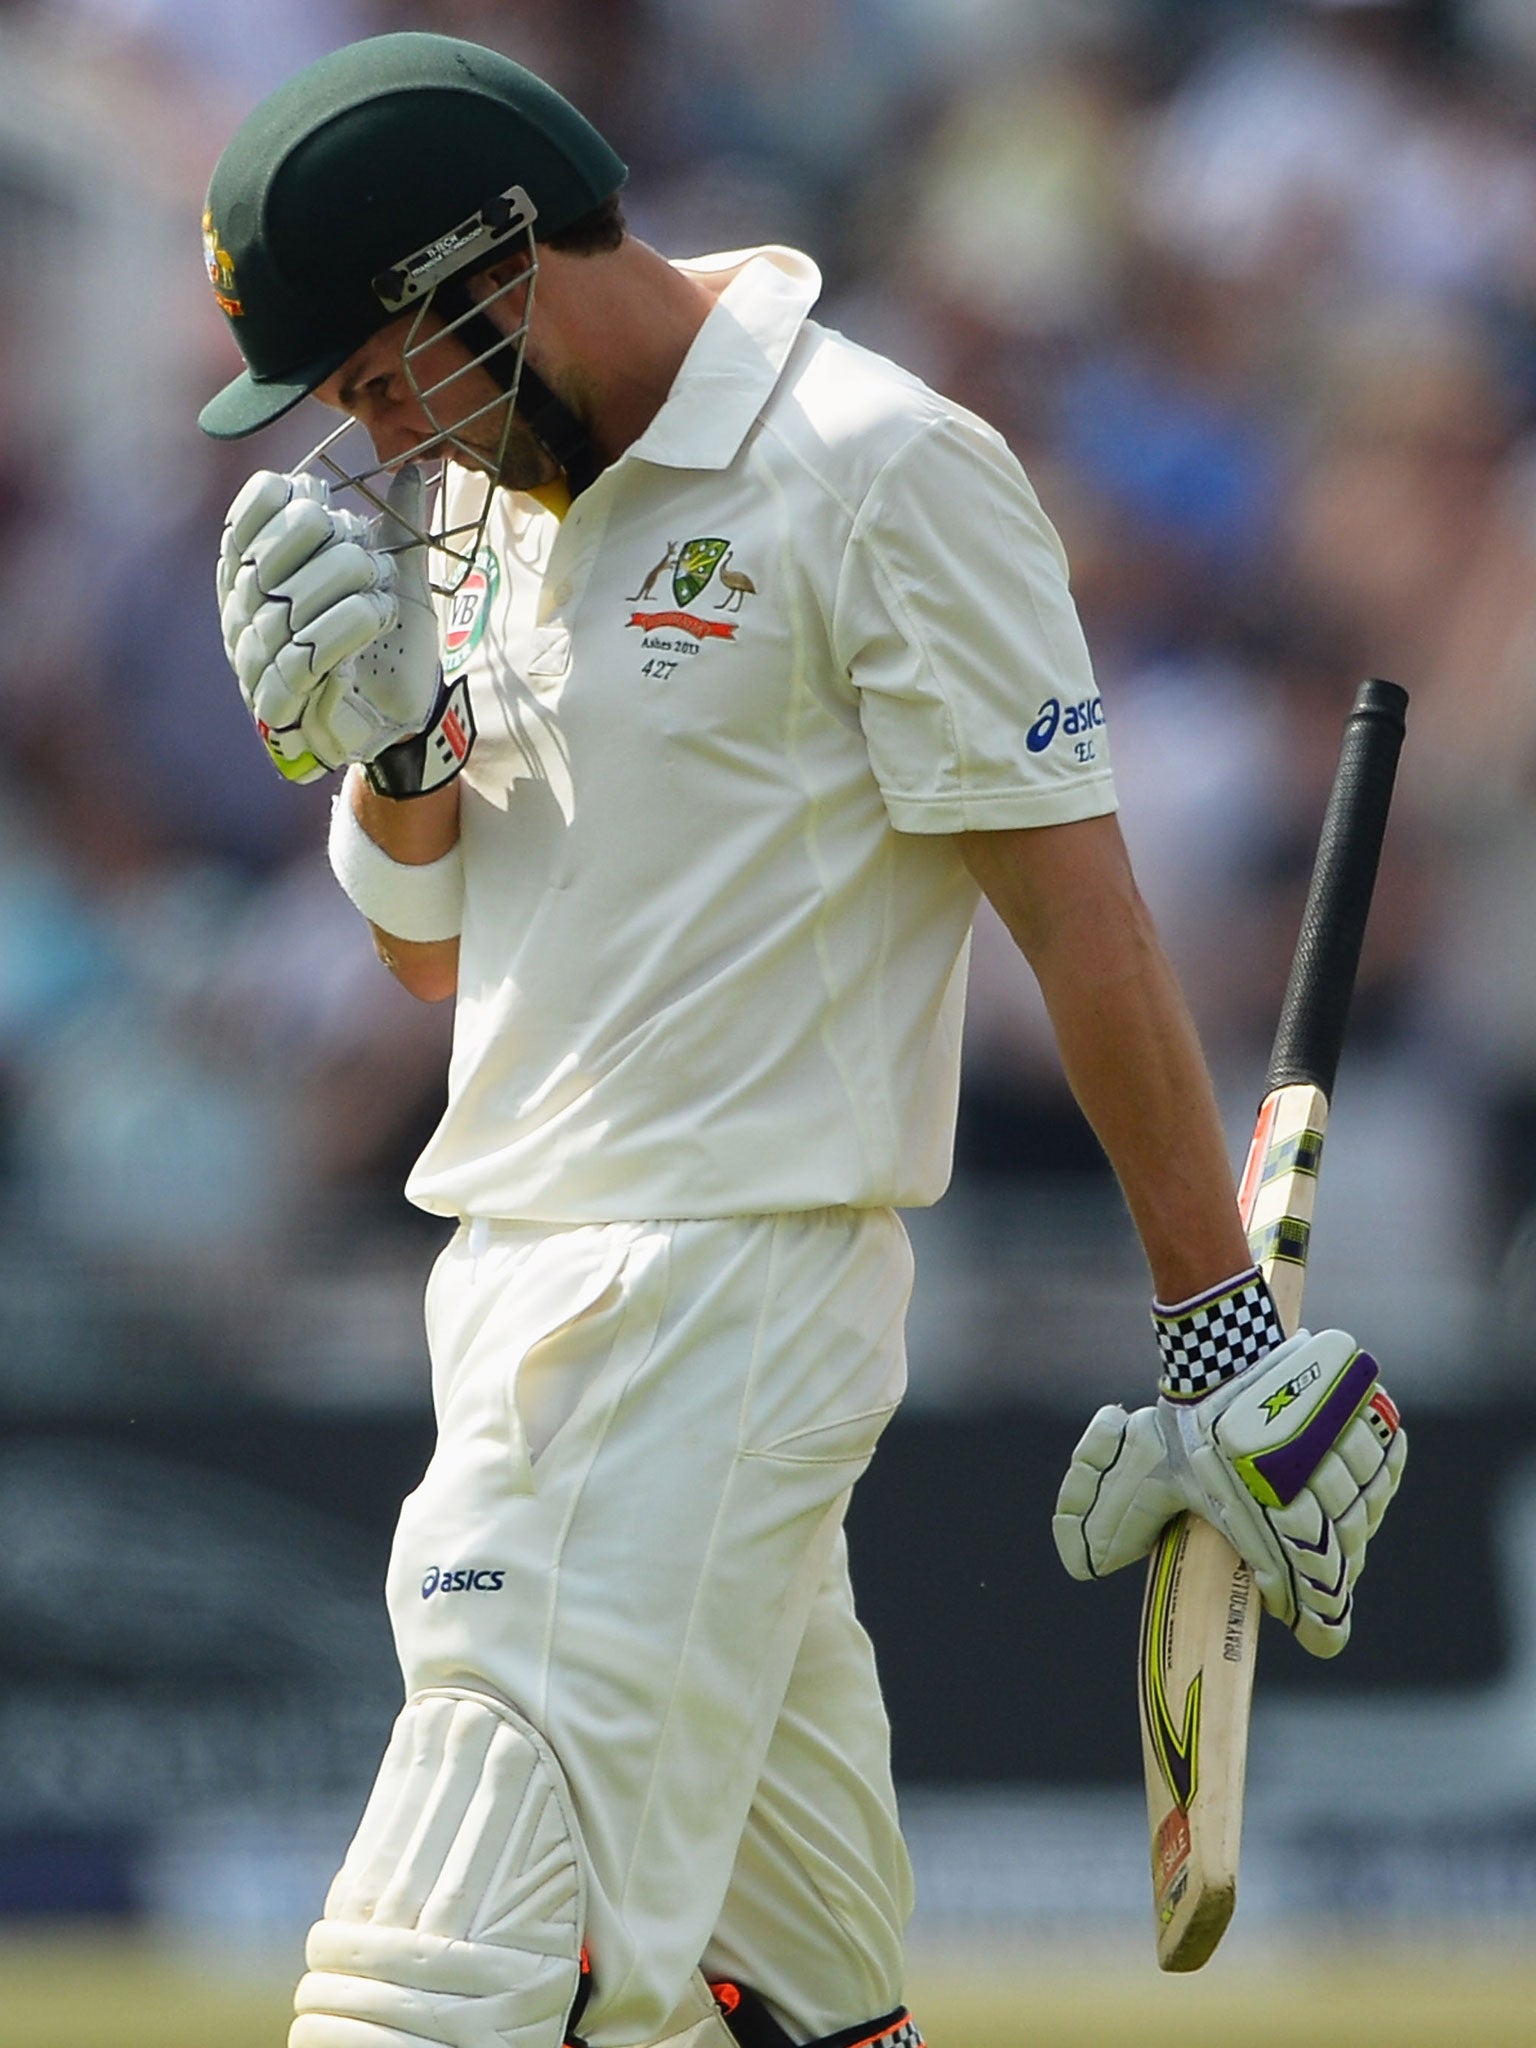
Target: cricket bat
x=1200, y=1612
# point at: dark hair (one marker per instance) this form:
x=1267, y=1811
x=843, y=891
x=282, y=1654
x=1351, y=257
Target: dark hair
x=592, y=233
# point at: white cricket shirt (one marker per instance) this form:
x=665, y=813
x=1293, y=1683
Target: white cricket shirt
x=729, y=709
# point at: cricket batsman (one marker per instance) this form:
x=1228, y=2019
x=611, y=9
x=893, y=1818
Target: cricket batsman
x=687, y=673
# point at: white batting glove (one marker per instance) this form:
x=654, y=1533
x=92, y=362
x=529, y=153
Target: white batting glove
x=329, y=626
x=1295, y=1459
x=300, y=592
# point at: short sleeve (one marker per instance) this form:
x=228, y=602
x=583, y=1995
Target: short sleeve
x=958, y=631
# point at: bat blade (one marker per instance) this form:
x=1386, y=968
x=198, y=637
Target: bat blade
x=1200, y=1612
x=1194, y=1722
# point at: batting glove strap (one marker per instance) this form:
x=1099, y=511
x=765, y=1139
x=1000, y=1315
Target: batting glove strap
x=432, y=757
x=1211, y=1338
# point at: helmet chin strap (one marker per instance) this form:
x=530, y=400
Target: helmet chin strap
x=550, y=421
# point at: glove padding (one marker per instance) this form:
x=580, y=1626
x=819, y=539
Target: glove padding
x=1295, y=1460
x=328, y=620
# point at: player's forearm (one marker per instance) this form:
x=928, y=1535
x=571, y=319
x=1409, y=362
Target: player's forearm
x=1127, y=1043
x=415, y=833
x=1130, y=1053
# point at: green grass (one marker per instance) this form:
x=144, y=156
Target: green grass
x=82, y=1988
x=1380, y=1999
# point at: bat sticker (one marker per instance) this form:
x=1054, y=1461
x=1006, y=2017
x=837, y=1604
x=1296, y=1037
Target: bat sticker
x=1177, y=1744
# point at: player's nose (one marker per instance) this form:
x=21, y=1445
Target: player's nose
x=394, y=438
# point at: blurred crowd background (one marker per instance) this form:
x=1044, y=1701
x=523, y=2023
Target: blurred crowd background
x=1251, y=289
x=1250, y=286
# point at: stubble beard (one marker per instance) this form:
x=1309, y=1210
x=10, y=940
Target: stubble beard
x=507, y=452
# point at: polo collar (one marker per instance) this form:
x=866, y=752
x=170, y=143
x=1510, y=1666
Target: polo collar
x=729, y=372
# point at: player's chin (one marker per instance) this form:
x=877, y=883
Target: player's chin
x=507, y=471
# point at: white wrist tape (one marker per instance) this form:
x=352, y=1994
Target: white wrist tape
x=418, y=903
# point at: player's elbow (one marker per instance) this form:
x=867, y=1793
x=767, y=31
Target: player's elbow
x=426, y=969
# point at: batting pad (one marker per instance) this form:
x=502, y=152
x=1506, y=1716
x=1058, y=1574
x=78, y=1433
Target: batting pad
x=456, y=1920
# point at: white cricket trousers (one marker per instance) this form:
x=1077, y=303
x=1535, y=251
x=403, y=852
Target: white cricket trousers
x=631, y=1531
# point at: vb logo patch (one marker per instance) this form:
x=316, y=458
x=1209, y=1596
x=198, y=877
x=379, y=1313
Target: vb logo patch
x=468, y=611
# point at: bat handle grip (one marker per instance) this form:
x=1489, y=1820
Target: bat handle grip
x=1310, y=1034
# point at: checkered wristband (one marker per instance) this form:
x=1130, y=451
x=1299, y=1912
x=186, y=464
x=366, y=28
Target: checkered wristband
x=1210, y=1339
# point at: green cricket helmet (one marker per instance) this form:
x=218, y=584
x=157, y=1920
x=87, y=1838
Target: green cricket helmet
x=358, y=189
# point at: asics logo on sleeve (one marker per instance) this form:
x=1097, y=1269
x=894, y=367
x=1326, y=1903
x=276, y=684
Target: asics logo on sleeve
x=1072, y=720
x=462, y=1579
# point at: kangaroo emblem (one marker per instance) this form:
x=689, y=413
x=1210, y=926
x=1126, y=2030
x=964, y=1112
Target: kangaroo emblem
x=668, y=561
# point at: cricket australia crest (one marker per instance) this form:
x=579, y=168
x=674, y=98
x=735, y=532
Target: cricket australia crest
x=694, y=565
x=697, y=561
x=220, y=266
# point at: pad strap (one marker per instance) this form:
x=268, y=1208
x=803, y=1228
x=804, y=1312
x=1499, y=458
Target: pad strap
x=579, y=2005
x=754, y=2026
